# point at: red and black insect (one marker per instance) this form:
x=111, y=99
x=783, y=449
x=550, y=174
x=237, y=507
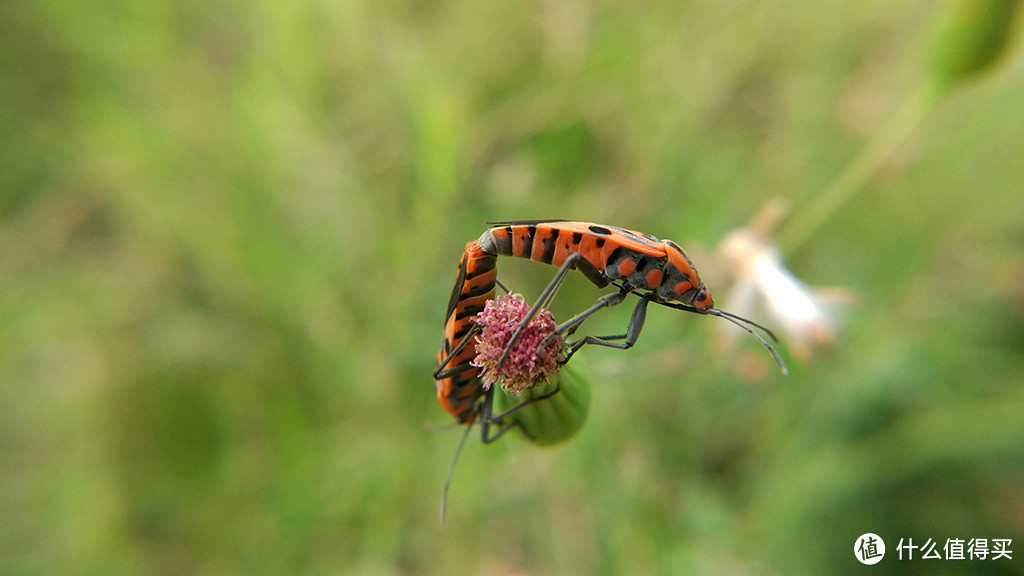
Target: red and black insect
x=655, y=270
x=459, y=388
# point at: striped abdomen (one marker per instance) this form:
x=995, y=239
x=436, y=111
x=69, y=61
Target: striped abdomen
x=459, y=390
x=608, y=253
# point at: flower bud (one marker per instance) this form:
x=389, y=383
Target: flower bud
x=558, y=417
x=968, y=37
x=530, y=368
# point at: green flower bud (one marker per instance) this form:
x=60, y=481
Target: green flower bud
x=968, y=37
x=558, y=417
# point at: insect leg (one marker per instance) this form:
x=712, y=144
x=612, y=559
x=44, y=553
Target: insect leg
x=451, y=472
x=545, y=298
x=443, y=372
x=484, y=411
x=486, y=420
x=524, y=404
x=636, y=325
x=571, y=325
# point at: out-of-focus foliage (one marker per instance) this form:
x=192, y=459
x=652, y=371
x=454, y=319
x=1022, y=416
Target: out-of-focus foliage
x=968, y=37
x=228, y=232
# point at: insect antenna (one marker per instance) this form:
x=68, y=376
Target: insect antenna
x=746, y=325
x=735, y=319
x=765, y=329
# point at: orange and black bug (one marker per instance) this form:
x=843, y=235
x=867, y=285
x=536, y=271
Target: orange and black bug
x=459, y=388
x=656, y=270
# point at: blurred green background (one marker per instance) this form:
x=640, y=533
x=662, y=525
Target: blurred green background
x=228, y=232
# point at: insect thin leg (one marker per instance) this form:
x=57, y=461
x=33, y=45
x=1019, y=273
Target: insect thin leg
x=484, y=412
x=636, y=325
x=524, y=404
x=486, y=420
x=542, y=302
x=570, y=326
x=442, y=371
x=451, y=472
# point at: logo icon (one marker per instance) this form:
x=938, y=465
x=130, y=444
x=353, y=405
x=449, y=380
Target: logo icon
x=869, y=548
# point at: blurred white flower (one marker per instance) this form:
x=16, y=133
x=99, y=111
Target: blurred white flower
x=804, y=316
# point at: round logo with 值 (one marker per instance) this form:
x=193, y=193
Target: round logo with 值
x=869, y=548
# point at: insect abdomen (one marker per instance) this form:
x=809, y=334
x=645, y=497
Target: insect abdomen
x=475, y=283
x=608, y=253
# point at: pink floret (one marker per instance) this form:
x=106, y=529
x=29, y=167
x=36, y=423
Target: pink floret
x=524, y=367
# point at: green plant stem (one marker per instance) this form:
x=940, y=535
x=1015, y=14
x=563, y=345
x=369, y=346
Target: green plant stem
x=806, y=222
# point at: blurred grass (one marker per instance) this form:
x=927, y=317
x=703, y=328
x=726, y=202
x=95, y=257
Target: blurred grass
x=228, y=232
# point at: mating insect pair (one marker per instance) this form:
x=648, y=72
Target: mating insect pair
x=654, y=270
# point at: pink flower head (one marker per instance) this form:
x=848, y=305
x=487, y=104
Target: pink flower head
x=527, y=364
